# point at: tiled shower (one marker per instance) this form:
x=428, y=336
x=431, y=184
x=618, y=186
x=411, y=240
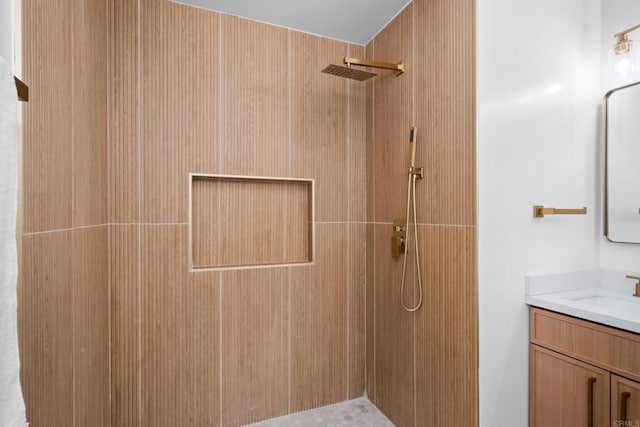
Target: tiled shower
x=129, y=97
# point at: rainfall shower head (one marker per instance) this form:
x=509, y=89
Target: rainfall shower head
x=347, y=72
x=352, y=73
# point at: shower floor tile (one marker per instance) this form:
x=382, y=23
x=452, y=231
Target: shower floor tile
x=357, y=412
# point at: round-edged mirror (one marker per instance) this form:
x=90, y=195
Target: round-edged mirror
x=622, y=164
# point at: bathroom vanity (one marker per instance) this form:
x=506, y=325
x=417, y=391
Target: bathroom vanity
x=584, y=350
x=582, y=373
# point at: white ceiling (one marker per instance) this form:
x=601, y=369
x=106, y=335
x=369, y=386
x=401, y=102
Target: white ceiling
x=355, y=21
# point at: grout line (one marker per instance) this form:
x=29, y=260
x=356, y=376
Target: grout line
x=390, y=223
x=73, y=145
x=289, y=102
x=285, y=205
x=110, y=73
x=73, y=206
x=372, y=156
x=366, y=328
x=370, y=251
x=285, y=233
x=375, y=359
x=366, y=302
x=221, y=117
x=108, y=224
x=289, y=157
x=220, y=329
x=151, y=224
x=289, y=284
x=109, y=320
x=138, y=103
x=446, y=225
x=348, y=283
x=35, y=233
x=160, y=224
x=220, y=165
x=147, y=223
x=286, y=194
x=349, y=186
x=373, y=215
x=73, y=337
x=351, y=222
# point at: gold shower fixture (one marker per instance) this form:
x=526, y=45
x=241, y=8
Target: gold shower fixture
x=623, y=43
x=415, y=173
x=353, y=73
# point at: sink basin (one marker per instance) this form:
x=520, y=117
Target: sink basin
x=606, y=304
x=599, y=304
x=602, y=296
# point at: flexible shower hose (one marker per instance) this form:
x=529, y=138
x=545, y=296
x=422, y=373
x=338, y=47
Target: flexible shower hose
x=411, y=189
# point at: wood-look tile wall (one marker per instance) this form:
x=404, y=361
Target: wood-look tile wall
x=65, y=327
x=127, y=98
x=202, y=92
x=64, y=305
x=425, y=369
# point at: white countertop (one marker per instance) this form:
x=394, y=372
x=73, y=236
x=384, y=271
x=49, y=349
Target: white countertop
x=602, y=296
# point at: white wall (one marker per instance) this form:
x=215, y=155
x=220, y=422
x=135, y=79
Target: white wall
x=538, y=122
x=618, y=15
x=6, y=30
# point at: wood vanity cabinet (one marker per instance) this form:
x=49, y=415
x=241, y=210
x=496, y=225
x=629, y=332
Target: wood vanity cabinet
x=566, y=392
x=625, y=400
x=582, y=374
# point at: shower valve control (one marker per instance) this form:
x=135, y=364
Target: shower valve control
x=398, y=238
x=397, y=246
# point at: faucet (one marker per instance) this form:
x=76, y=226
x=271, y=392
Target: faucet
x=629, y=276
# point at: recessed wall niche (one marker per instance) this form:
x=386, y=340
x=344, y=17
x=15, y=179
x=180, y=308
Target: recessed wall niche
x=238, y=222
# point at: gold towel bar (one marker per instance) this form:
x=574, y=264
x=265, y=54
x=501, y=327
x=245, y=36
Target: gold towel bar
x=540, y=211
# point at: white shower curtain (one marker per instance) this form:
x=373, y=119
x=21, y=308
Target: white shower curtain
x=12, y=411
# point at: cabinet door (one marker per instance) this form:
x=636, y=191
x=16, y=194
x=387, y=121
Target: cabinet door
x=565, y=392
x=625, y=402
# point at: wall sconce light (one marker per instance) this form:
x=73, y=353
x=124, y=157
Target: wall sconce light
x=623, y=44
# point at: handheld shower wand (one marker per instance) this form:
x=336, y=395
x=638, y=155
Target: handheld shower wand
x=414, y=174
x=412, y=147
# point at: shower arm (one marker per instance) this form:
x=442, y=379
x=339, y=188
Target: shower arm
x=398, y=68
